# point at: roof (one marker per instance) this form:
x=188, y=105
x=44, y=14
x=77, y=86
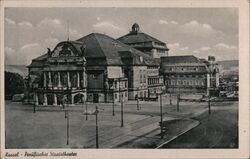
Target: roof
x=102, y=46
x=180, y=59
x=101, y=49
x=138, y=37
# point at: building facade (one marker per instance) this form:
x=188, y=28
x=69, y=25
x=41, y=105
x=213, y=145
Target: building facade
x=144, y=42
x=189, y=74
x=59, y=76
x=94, y=68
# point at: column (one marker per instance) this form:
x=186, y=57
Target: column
x=45, y=101
x=44, y=80
x=59, y=79
x=208, y=83
x=69, y=84
x=78, y=80
x=84, y=78
x=217, y=79
x=50, y=84
x=72, y=99
x=55, y=100
x=36, y=99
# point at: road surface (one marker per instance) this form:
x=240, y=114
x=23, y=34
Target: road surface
x=218, y=130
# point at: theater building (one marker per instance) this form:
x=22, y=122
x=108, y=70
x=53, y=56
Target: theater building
x=189, y=74
x=59, y=75
x=94, y=68
x=144, y=42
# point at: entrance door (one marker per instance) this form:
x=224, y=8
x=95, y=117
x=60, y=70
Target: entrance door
x=96, y=98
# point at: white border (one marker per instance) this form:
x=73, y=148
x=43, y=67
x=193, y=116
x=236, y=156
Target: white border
x=242, y=152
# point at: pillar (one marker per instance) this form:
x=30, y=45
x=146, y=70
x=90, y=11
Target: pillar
x=45, y=101
x=59, y=80
x=36, y=99
x=84, y=78
x=78, y=80
x=50, y=83
x=208, y=83
x=55, y=100
x=72, y=99
x=44, y=80
x=217, y=79
x=69, y=84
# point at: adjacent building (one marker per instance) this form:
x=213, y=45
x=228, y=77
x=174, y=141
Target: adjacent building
x=144, y=42
x=189, y=74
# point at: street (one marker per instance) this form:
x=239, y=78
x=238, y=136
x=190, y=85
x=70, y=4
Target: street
x=47, y=127
x=219, y=130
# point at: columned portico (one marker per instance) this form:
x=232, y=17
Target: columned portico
x=44, y=80
x=59, y=79
x=54, y=99
x=45, y=101
x=78, y=80
x=68, y=79
x=50, y=83
x=36, y=99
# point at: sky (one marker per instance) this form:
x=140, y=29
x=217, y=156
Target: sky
x=186, y=31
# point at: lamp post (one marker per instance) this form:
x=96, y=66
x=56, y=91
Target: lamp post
x=113, y=113
x=121, y=100
x=137, y=98
x=122, y=112
x=67, y=125
x=86, y=107
x=161, y=115
x=96, y=127
x=178, y=102
x=35, y=96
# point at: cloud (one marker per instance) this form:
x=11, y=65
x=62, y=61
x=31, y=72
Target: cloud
x=109, y=28
x=98, y=18
x=163, y=22
x=205, y=48
x=196, y=51
x=174, y=22
x=50, y=42
x=9, y=21
x=184, y=48
x=174, y=45
x=49, y=22
x=9, y=53
x=24, y=55
x=224, y=46
x=197, y=29
x=25, y=24
x=177, y=49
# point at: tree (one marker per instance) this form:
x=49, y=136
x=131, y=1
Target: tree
x=14, y=84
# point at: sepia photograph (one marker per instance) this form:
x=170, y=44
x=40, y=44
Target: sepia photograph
x=79, y=78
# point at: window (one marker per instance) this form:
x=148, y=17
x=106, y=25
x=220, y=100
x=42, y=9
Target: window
x=115, y=96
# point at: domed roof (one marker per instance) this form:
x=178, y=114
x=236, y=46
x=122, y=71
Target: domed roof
x=135, y=28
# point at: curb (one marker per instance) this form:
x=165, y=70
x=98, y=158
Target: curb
x=175, y=137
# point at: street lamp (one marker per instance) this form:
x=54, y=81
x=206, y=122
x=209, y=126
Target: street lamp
x=96, y=127
x=86, y=108
x=138, y=98
x=67, y=125
x=35, y=86
x=161, y=122
x=113, y=113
